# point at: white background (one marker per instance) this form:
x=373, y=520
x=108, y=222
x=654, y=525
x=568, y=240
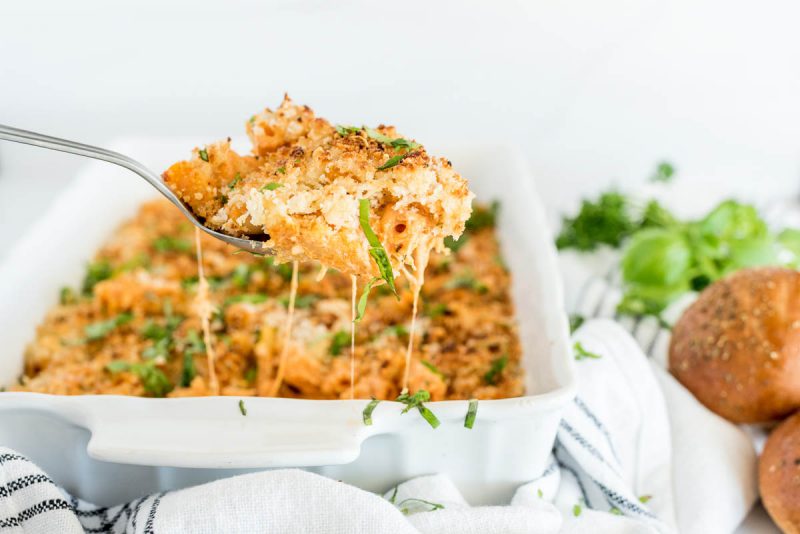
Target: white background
x=594, y=92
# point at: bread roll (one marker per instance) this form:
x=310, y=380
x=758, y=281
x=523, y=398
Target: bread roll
x=737, y=348
x=779, y=475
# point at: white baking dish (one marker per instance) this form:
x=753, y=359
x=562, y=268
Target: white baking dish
x=179, y=442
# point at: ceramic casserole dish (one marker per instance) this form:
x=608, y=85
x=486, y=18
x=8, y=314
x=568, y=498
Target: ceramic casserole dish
x=160, y=444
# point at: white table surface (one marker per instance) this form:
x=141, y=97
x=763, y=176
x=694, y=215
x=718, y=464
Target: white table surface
x=594, y=92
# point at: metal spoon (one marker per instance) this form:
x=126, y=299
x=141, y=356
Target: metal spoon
x=53, y=143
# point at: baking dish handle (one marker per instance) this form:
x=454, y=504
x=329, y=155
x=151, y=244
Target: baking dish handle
x=243, y=444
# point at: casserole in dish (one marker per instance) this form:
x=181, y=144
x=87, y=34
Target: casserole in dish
x=508, y=445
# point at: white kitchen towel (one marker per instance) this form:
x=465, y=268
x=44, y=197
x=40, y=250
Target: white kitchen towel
x=712, y=458
x=611, y=472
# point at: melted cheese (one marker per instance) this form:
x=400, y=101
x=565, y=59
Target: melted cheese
x=204, y=310
x=287, y=334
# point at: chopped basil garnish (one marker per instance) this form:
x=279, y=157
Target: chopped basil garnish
x=252, y=119
x=344, y=130
x=472, y=411
x=437, y=310
x=466, y=281
x=96, y=273
x=242, y=409
x=235, y=181
x=496, y=370
x=483, y=217
x=644, y=498
x=366, y=415
x=99, y=330
x=398, y=143
x=575, y=322
x=456, y=244
x=432, y=368
x=664, y=173
x=300, y=302
x=406, y=510
x=250, y=375
x=281, y=170
x=361, y=307
x=582, y=354
x=152, y=378
x=67, y=296
x=576, y=510
x=251, y=298
x=193, y=345
x=416, y=401
x=203, y=154
x=376, y=250
x=339, y=340
x=241, y=275
x=272, y=186
x=394, y=161
x=167, y=243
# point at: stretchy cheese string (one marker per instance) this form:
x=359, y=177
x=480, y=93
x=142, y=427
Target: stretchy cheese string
x=204, y=310
x=354, y=289
x=420, y=264
x=287, y=334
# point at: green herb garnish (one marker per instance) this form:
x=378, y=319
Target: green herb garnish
x=664, y=173
x=437, y=310
x=250, y=298
x=432, y=368
x=101, y=329
x=576, y=510
x=250, y=375
x=242, y=409
x=466, y=281
x=406, y=510
x=167, y=243
x=540, y=493
x=575, y=322
x=96, y=273
x=361, y=307
x=281, y=170
x=482, y=217
x=152, y=378
x=456, y=244
x=495, y=370
x=241, y=275
x=581, y=353
x=203, y=154
x=339, y=340
x=394, y=161
x=417, y=401
x=607, y=221
x=615, y=511
x=193, y=345
x=345, y=130
x=472, y=412
x=67, y=296
x=272, y=186
x=397, y=143
x=236, y=180
x=376, y=250
x=366, y=415
x=645, y=498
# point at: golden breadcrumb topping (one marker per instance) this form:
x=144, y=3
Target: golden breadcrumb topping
x=303, y=184
x=133, y=328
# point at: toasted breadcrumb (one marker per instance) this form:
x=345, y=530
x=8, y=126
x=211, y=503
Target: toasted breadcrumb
x=303, y=183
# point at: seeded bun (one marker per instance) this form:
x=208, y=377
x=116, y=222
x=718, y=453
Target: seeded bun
x=737, y=348
x=779, y=475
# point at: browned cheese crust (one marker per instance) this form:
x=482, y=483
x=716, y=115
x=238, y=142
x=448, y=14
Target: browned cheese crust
x=303, y=184
x=466, y=323
x=737, y=348
x=779, y=475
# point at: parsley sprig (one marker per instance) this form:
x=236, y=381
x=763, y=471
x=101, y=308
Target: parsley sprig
x=417, y=401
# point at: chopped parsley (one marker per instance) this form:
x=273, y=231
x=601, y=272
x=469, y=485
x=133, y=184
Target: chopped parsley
x=576, y=510
x=472, y=412
x=272, y=186
x=394, y=161
x=361, y=307
x=437, y=310
x=615, y=511
x=397, y=143
x=398, y=330
x=281, y=170
x=193, y=345
x=252, y=119
x=67, y=296
x=575, y=322
x=467, y=281
x=345, y=130
x=203, y=154
x=241, y=275
x=242, y=409
x=366, y=415
x=483, y=217
x=495, y=370
x=235, y=181
x=339, y=340
x=432, y=368
x=540, y=493
x=95, y=273
x=417, y=401
x=582, y=354
x=456, y=244
x=250, y=298
x=250, y=375
x=376, y=250
x=300, y=302
x=645, y=498
x=167, y=243
x=664, y=173
x=101, y=329
x=152, y=378
x=606, y=221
